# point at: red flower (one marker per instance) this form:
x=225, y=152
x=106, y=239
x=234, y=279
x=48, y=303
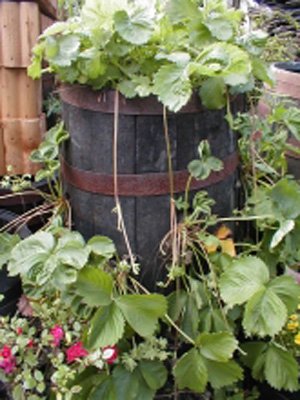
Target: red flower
x=8, y=362
x=6, y=352
x=19, y=331
x=110, y=354
x=76, y=351
x=30, y=343
x=58, y=334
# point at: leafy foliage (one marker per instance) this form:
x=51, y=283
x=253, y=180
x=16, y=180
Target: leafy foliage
x=134, y=46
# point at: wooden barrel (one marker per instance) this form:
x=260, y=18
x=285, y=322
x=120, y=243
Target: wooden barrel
x=143, y=181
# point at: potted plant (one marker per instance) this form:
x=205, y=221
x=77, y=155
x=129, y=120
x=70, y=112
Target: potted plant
x=88, y=329
x=228, y=308
x=185, y=57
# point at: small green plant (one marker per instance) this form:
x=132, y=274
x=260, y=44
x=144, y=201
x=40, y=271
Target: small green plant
x=264, y=142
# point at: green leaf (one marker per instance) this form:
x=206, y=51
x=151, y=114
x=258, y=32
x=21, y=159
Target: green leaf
x=73, y=256
x=7, y=243
x=172, y=86
x=68, y=50
x=222, y=374
x=126, y=383
x=176, y=303
x=265, y=314
x=217, y=346
x=127, y=88
x=261, y=71
x=136, y=28
x=243, y=279
x=285, y=228
x=154, y=373
x=258, y=367
x=253, y=350
x=190, y=372
x=95, y=286
x=106, y=327
x=18, y=393
x=182, y=10
x=190, y=321
x=34, y=70
x=31, y=252
x=57, y=134
x=220, y=28
x=199, y=169
x=224, y=60
x=292, y=121
x=102, y=246
x=286, y=196
x=287, y=290
x=142, y=311
x=41, y=274
x=106, y=390
x=211, y=320
x=178, y=57
x=98, y=14
x=63, y=276
x=213, y=93
x=281, y=369
x=90, y=378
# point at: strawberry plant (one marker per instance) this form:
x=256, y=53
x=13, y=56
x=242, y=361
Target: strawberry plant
x=168, y=48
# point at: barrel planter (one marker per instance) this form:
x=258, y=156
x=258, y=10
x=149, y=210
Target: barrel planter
x=287, y=85
x=10, y=287
x=143, y=181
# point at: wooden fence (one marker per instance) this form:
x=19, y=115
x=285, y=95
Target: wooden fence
x=22, y=123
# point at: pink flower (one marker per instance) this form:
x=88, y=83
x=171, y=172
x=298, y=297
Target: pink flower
x=76, y=351
x=58, y=334
x=110, y=354
x=5, y=352
x=8, y=362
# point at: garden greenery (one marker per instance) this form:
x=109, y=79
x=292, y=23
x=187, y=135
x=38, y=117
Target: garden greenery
x=86, y=328
x=90, y=330
x=168, y=48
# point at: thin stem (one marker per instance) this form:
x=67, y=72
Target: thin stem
x=121, y=223
x=173, y=217
x=186, y=195
x=171, y=322
x=233, y=219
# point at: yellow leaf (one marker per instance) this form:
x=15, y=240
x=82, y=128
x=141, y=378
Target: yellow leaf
x=228, y=247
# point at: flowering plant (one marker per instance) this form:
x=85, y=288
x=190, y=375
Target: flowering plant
x=38, y=358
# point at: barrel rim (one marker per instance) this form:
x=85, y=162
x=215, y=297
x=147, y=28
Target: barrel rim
x=84, y=97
